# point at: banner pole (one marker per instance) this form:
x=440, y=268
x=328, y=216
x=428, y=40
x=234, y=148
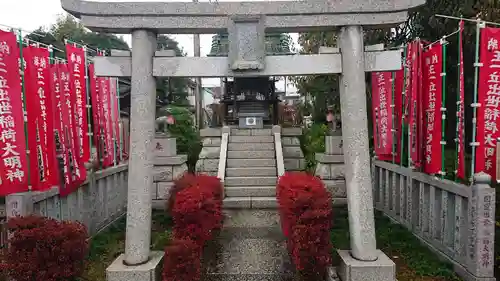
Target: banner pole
x=393, y=130
x=410, y=102
x=475, y=105
x=420, y=113
x=457, y=133
x=120, y=127
x=53, y=61
x=98, y=144
x=403, y=107
x=87, y=90
x=443, y=107
x=23, y=94
x=111, y=106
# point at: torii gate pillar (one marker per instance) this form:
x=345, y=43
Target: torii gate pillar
x=142, y=125
x=356, y=145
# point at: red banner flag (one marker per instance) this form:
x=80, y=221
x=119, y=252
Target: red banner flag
x=489, y=97
x=432, y=103
x=41, y=142
x=60, y=117
x=95, y=98
x=382, y=114
x=107, y=125
x=460, y=111
x=407, y=82
x=77, y=170
x=76, y=64
x=398, y=111
x=414, y=106
x=117, y=121
x=114, y=117
x=421, y=114
x=13, y=162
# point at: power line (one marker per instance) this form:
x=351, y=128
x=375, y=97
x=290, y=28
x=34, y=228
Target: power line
x=466, y=19
x=51, y=47
x=86, y=47
x=443, y=39
x=19, y=29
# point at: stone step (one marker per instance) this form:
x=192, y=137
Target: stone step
x=251, y=219
x=248, y=277
x=251, y=139
x=251, y=172
x=250, y=154
x=250, y=203
x=251, y=224
x=264, y=203
x=240, y=163
x=251, y=132
x=249, y=191
x=235, y=146
x=250, y=181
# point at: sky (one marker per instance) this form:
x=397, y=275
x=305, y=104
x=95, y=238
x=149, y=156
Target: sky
x=31, y=14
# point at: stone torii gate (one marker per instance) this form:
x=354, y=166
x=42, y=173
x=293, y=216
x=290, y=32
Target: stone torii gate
x=246, y=23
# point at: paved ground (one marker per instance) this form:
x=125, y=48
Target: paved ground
x=250, y=247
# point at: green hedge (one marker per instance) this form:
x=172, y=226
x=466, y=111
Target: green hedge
x=312, y=141
x=186, y=133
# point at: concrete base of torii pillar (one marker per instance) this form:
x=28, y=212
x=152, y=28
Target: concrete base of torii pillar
x=363, y=261
x=149, y=271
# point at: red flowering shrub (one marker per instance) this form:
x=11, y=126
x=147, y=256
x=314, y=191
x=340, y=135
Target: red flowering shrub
x=45, y=249
x=196, y=210
x=182, y=261
x=306, y=213
x=210, y=184
x=196, y=214
x=186, y=180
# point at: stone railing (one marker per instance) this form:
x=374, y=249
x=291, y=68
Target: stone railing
x=221, y=173
x=168, y=166
x=98, y=202
x=292, y=153
x=454, y=220
x=280, y=165
x=330, y=169
x=208, y=162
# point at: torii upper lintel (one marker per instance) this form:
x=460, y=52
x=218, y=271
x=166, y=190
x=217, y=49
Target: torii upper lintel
x=204, y=17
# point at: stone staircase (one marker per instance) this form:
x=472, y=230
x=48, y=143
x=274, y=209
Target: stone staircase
x=250, y=179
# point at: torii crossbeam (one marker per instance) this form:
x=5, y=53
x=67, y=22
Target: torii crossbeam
x=166, y=64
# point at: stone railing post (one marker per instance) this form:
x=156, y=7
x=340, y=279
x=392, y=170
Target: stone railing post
x=19, y=204
x=481, y=241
